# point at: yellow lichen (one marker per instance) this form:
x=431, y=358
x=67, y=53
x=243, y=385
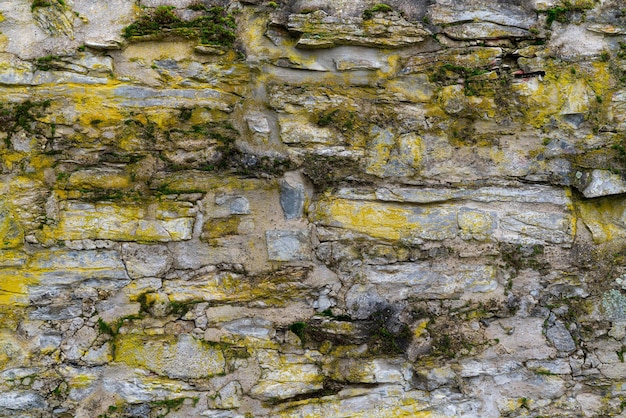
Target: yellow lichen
x=605, y=217
x=14, y=287
x=375, y=220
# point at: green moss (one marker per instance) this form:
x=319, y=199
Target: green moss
x=105, y=328
x=299, y=329
x=39, y=3
x=556, y=13
x=605, y=56
x=168, y=404
x=25, y=115
x=563, y=12
x=45, y=63
x=520, y=257
x=385, y=341
x=198, y=7
x=544, y=372
x=214, y=27
x=380, y=7
x=448, y=72
x=185, y=114
x=178, y=308
x=328, y=171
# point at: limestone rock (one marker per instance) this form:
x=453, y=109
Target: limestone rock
x=560, y=337
x=485, y=30
x=447, y=13
x=292, y=199
x=319, y=30
x=251, y=327
x=288, y=245
x=604, y=218
x=477, y=58
x=283, y=378
x=21, y=401
x=184, y=357
x=146, y=260
x=431, y=280
x=170, y=222
x=237, y=205
x=10, y=230
x=229, y=396
x=603, y=183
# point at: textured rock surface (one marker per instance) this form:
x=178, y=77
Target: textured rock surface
x=312, y=208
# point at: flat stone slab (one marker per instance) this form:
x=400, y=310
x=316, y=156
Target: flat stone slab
x=287, y=245
x=319, y=30
x=183, y=357
x=431, y=280
x=388, y=219
x=151, y=222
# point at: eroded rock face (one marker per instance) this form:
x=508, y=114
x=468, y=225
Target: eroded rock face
x=312, y=208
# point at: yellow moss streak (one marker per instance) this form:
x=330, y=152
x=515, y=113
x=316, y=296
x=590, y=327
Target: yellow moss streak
x=14, y=287
x=381, y=221
x=579, y=90
x=605, y=217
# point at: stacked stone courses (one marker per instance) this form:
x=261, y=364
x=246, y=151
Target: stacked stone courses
x=312, y=208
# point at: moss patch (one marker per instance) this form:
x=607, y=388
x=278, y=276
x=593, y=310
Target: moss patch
x=214, y=27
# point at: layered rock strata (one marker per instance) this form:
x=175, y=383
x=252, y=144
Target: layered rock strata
x=312, y=208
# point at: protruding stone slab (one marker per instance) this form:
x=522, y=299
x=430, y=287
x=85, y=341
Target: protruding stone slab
x=536, y=228
x=473, y=57
x=484, y=31
x=67, y=267
x=136, y=96
x=251, y=327
x=444, y=13
x=603, y=183
x=362, y=212
x=150, y=222
x=388, y=221
x=319, y=30
x=275, y=289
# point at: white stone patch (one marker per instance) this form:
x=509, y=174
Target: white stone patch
x=575, y=41
x=285, y=245
x=603, y=183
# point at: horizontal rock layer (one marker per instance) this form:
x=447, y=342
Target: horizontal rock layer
x=322, y=208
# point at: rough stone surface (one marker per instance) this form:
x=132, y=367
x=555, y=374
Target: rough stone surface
x=292, y=200
x=146, y=260
x=312, y=208
x=604, y=183
x=560, y=337
x=287, y=245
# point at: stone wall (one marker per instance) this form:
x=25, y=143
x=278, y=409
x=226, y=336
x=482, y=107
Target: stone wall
x=312, y=208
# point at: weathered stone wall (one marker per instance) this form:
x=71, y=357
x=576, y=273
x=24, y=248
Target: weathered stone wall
x=312, y=208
